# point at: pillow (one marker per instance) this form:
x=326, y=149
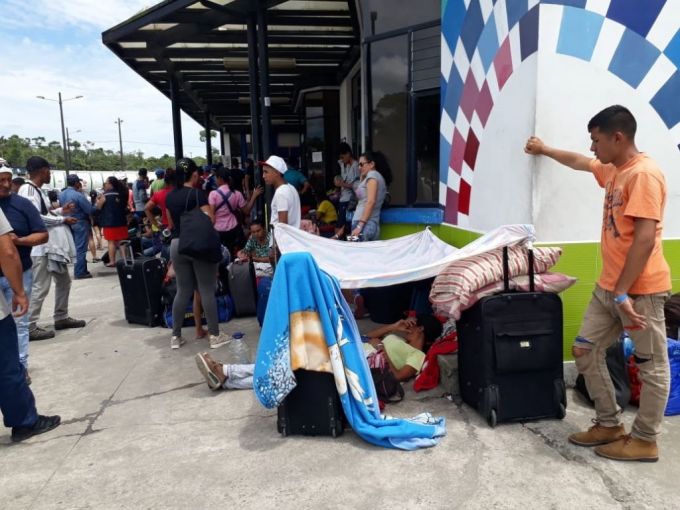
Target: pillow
x=460, y=279
x=544, y=282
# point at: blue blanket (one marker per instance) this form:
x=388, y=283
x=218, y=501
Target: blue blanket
x=300, y=286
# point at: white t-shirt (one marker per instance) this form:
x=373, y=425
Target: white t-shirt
x=39, y=199
x=286, y=198
x=5, y=228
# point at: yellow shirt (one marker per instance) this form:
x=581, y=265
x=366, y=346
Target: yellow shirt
x=326, y=212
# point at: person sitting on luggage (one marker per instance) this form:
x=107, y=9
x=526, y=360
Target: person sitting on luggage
x=404, y=352
x=258, y=245
x=403, y=345
x=258, y=248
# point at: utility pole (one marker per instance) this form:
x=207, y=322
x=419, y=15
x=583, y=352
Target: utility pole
x=63, y=128
x=120, y=141
x=68, y=150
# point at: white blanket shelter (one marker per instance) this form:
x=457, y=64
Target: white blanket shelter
x=404, y=259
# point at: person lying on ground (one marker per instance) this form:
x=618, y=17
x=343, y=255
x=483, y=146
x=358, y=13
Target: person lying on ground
x=404, y=352
x=403, y=344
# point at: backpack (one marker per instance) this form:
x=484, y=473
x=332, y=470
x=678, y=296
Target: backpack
x=672, y=312
x=237, y=213
x=386, y=385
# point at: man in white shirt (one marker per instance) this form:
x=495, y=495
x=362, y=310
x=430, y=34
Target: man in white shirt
x=39, y=174
x=286, y=201
x=17, y=403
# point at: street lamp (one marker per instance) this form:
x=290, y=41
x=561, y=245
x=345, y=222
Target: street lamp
x=63, y=129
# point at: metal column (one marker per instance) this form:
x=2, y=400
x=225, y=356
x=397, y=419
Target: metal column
x=208, y=140
x=254, y=97
x=263, y=54
x=176, y=118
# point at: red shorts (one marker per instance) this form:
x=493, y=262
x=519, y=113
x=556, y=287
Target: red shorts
x=116, y=233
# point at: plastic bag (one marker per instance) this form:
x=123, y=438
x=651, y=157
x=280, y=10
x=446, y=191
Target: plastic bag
x=673, y=405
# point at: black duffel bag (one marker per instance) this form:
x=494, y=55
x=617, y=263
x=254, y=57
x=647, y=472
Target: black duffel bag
x=618, y=371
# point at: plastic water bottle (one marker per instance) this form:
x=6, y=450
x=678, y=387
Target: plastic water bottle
x=238, y=351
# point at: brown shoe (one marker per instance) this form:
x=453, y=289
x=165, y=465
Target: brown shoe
x=597, y=435
x=631, y=449
x=212, y=371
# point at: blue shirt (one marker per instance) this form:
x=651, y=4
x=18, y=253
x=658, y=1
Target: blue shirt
x=25, y=220
x=83, y=207
x=295, y=177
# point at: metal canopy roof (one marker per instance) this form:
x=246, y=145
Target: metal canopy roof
x=204, y=45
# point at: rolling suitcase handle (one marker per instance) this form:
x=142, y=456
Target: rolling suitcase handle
x=128, y=245
x=506, y=269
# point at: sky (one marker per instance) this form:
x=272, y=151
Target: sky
x=47, y=47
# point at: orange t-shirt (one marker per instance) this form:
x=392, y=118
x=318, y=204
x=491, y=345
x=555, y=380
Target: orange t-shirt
x=636, y=190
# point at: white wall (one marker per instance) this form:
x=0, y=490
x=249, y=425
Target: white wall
x=568, y=204
x=501, y=190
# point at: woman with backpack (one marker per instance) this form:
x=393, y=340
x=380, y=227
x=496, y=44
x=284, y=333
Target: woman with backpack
x=229, y=209
x=192, y=271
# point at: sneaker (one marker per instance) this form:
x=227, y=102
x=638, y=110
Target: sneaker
x=44, y=424
x=597, y=435
x=176, y=342
x=69, y=323
x=211, y=371
x=83, y=277
x=219, y=340
x=629, y=448
x=40, y=334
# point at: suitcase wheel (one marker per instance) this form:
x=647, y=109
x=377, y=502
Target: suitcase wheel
x=334, y=432
x=283, y=430
x=562, y=412
x=492, y=418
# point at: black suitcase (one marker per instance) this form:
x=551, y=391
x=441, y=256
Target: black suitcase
x=510, y=355
x=141, y=281
x=242, y=288
x=313, y=408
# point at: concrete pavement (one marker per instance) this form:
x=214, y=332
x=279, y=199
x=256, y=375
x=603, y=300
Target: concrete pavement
x=141, y=430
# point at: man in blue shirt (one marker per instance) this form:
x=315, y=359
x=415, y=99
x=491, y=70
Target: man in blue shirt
x=82, y=210
x=28, y=230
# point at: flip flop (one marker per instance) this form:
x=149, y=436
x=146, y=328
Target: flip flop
x=109, y=265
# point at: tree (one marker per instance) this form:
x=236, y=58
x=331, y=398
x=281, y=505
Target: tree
x=201, y=134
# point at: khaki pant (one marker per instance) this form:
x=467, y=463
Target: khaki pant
x=603, y=324
x=42, y=279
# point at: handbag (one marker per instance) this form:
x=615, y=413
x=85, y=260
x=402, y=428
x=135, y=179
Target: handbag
x=198, y=237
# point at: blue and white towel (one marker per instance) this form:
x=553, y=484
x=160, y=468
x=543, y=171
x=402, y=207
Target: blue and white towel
x=300, y=286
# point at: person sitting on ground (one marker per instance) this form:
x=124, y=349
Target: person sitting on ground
x=403, y=343
x=325, y=211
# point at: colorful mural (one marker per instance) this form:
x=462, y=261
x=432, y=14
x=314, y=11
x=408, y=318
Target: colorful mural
x=602, y=51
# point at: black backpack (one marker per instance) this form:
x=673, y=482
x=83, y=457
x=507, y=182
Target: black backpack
x=386, y=385
x=616, y=364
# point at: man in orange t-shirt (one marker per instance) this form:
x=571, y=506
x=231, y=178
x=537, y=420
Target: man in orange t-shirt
x=634, y=285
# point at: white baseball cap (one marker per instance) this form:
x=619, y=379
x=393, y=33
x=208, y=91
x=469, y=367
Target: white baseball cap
x=277, y=163
x=5, y=170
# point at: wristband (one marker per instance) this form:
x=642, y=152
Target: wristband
x=620, y=299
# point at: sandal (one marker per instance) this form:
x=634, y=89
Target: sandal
x=95, y=260
x=109, y=265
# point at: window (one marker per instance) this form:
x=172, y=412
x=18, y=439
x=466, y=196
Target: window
x=403, y=81
x=389, y=80
x=382, y=16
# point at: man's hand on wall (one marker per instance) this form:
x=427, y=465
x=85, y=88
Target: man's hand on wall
x=534, y=146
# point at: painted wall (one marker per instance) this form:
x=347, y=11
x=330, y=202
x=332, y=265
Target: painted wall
x=511, y=68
